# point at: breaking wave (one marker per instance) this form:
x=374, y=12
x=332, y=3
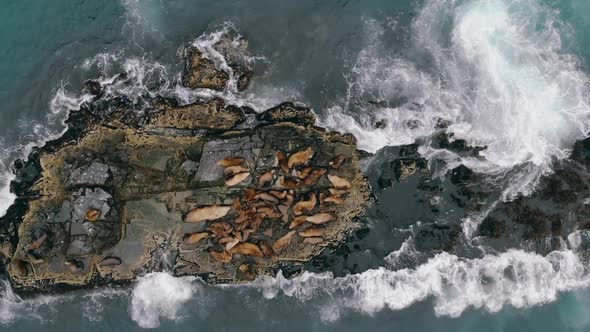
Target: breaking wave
x=497, y=72
x=160, y=295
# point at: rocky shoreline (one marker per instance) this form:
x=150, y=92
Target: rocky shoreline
x=205, y=189
x=228, y=193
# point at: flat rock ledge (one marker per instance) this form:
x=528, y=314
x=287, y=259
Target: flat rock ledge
x=205, y=189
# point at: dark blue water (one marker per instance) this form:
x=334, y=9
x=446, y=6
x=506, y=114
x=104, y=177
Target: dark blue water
x=510, y=74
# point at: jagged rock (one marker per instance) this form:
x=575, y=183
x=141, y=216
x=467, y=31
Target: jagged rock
x=93, y=87
x=437, y=237
x=201, y=72
x=288, y=112
x=131, y=187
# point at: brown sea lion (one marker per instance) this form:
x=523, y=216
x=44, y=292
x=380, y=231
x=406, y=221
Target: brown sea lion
x=92, y=215
x=301, y=157
x=338, y=182
x=297, y=221
x=236, y=179
x=267, y=197
x=282, y=158
x=232, y=170
x=230, y=161
x=247, y=249
x=74, y=265
x=38, y=242
x=305, y=205
x=283, y=242
x=220, y=228
x=312, y=232
x=223, y=257
x=337, y=161
x=314, y=177
x=110, y=261
x=194, y=238
x=313, y=240
x=266, y=249
x=321, y=218
x=206, y=213
x=266, y=178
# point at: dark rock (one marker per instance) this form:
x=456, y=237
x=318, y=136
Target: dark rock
x=381, y=124
x=201, y=73
x=93, y=87
x=492, y=228
x=581, y=152
x=288, y=112
x=437, y=237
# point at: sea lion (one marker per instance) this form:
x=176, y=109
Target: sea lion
x=297, y=221
x=246, y=270
x=21, y=267
x=230, y=161
x=267, y=197
x=110, y=261
x=282, y=158
x=230, y=245
x=285, y=212
x=288, y=182
x=34, y=260
x=74, y=265
x=249, y=194
x=266, y=249
x=303, y=173
x=220, y=228
x=247, y=249
x=223, y=257
x=337, y=192
x=207, y=213
x=321, y=218
x=194, y=238
x=301, y=157
x=236, y=179
x=303, y=205
x=280, y=194
x=38, y=242
x=92, y=215
x=283, y=242
x=313, y=240
x=246, y=234
x=270, y=212
x=338, y=182
x=337, y=161
x=232, y=170
x=312, y=232
x=333, y=199
x=266, y=178
x=314, y=177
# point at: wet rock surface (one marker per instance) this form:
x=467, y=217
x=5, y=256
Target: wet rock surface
x=191, y=189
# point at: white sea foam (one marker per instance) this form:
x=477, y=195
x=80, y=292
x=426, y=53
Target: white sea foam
x=160, y=295
x=500, y=77
x=6, y=197
x=36, y=134
x=515, y=278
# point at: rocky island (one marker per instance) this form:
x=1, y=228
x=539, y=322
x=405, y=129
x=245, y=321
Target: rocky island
x=206, y=189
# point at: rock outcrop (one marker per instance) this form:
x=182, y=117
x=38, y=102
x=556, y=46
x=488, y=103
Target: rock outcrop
x=205, y=189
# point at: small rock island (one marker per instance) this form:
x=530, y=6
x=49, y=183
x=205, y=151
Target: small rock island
x=206, y=189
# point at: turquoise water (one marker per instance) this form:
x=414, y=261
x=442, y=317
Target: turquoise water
x=521, y=64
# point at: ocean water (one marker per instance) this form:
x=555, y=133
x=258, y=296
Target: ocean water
x=512, y=75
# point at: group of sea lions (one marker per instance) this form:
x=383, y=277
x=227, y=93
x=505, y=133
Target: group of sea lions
x=284, y=194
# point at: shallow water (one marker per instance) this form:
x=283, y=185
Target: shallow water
x=508, y=74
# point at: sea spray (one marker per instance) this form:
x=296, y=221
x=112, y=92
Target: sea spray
x=498, y=76
x=160, y=295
